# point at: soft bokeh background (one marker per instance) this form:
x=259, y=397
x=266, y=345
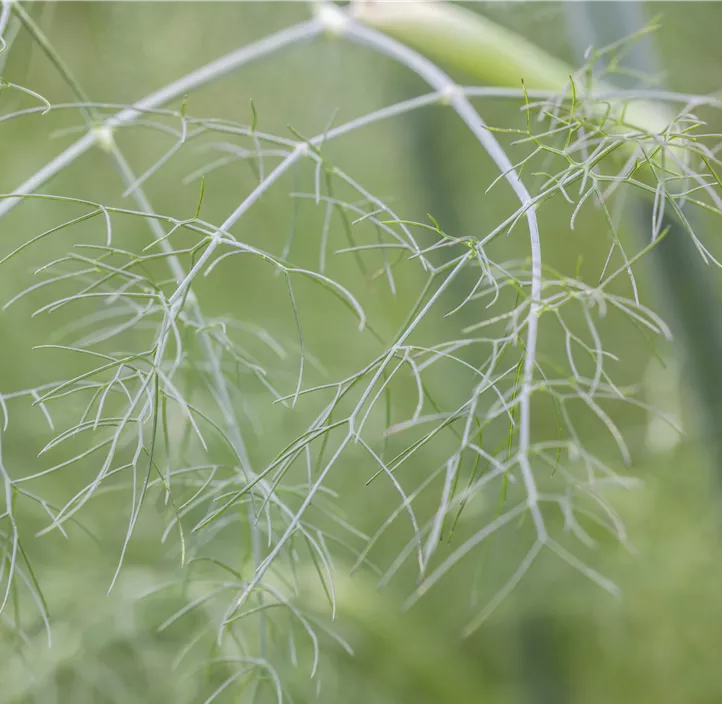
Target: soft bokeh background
x=558, y=638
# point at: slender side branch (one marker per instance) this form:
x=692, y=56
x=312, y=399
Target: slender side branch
x=210, y=72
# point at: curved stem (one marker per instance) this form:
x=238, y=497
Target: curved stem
x=5, y=10
x=440, y=81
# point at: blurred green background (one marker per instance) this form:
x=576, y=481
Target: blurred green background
x=558, y=638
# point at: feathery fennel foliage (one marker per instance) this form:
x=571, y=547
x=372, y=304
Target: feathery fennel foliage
x=163, y=392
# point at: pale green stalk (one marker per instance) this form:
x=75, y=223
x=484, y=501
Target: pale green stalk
x=466, y=41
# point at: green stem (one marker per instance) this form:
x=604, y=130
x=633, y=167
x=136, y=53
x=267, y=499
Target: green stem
x=454, y=36
x=63, y=69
